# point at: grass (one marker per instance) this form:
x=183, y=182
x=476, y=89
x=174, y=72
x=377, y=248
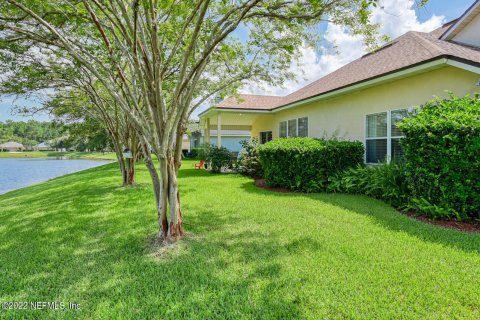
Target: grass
x=250, y=254
x=70, y=155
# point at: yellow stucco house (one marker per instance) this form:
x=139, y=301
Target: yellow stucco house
x=364, y=99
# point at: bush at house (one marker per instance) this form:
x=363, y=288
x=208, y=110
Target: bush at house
x=386, y=182
x=306, y=164
x=248, y=162
x=195, y=153
x=217, y=158
x=442, y=151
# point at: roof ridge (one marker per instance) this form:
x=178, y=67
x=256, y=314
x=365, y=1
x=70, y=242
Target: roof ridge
x=386, y=45
x=426, y=43
x=258, y=95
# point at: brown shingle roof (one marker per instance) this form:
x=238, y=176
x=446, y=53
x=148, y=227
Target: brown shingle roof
x=410, y=49
x=250, y=101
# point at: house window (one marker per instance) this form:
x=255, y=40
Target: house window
x=265, y=136
x=382, y=138
x=376, y=139
x=303, y=127
x=292, y=128
x=283, y=129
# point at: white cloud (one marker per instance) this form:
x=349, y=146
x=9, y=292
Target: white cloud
x=395, y=18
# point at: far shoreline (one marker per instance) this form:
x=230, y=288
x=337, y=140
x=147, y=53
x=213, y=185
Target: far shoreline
x=58, y=154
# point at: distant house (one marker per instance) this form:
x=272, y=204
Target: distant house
x=11, y=146
x=44, y=146
x=364, y=99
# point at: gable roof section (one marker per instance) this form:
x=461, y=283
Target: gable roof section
x=407, y=51
x=250, y=101
x=463, y=21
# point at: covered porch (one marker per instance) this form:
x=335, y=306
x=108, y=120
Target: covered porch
x=217, y=122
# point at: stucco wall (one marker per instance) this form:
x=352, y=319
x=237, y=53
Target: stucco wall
x=344, y=116
x=470, y=34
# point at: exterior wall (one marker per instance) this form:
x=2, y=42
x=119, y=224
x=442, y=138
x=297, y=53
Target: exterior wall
x=470, y=33
x=344, y=116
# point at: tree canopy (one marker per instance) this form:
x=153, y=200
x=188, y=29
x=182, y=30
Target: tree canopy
x=159, y=60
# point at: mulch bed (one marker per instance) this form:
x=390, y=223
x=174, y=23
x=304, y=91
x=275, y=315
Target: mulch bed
x=260, y=183
x=467, y=226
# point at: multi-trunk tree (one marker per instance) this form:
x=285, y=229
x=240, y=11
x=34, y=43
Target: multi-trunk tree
x=74, y=97
x=161, y=59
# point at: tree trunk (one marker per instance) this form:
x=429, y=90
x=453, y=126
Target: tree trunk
x=167, y=195
x=127, y=169
x=176, y=221
x=163, y=201
x=129, y=173
x=159, y=185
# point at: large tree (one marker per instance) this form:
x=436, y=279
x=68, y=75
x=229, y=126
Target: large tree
x=161, y=59
x=75, y=96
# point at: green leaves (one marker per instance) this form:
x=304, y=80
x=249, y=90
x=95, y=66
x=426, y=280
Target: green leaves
x=442, y=147
x=307, y=164
x=217, y=158
x=386, y=182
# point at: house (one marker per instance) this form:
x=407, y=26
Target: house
x=11, y=146
x=44, y=146
x=364, y=99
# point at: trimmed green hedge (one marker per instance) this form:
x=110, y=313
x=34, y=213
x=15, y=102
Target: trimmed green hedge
x=442, y=151
x=305, y=163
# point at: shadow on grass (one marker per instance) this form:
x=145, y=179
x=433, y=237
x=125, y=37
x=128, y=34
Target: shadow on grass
x=68, y=248
x=387, y=217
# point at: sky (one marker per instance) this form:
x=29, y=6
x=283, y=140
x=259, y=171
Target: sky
x=396, y=17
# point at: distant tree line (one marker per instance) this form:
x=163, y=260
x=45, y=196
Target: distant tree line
x=29, y=133
x=80, y=136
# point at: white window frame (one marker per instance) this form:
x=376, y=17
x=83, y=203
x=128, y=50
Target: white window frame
x=389, y=136
x=296, y=127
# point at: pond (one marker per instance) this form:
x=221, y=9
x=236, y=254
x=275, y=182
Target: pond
x=17, y=173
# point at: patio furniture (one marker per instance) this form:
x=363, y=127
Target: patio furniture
x=200, y=165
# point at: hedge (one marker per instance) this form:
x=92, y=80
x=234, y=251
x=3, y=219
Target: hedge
x=442, y=152
x=306, y=164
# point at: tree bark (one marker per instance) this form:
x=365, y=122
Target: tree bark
x=176, y=221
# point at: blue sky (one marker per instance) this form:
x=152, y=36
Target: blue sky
x=446, y=9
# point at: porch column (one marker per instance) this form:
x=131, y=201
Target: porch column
x=207, y=131
x=219, y=130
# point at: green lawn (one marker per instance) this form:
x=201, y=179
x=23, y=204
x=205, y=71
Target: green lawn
x=70, y=155
x=250, y=254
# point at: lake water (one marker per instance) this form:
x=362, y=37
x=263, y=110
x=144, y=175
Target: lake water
x=18, y=173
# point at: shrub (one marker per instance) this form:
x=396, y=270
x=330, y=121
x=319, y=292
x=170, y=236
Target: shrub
x=442, y=148
x=195, y=153
x=306, y=164
x=217, y=158
x=249, y=162
x=387, y=182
